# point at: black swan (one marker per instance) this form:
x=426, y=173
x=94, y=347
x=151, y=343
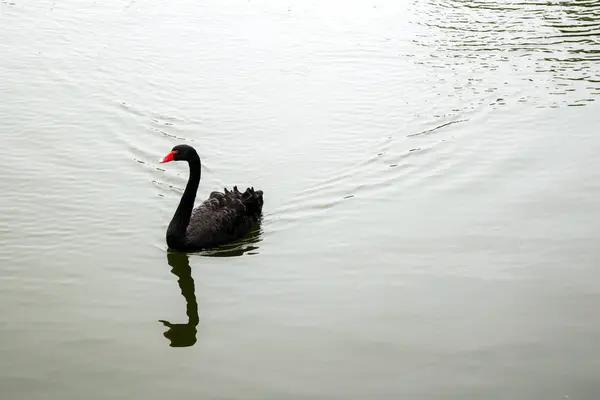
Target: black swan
x=220, y=219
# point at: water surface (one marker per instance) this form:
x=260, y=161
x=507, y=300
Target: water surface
x=430, y=171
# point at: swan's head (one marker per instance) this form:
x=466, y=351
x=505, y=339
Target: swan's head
x=181, y=152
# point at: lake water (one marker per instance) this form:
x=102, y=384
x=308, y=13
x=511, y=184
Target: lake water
x=431, y=173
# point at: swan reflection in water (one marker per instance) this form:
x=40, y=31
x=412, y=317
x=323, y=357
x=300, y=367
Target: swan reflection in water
x=184, y=335
x=247, y=245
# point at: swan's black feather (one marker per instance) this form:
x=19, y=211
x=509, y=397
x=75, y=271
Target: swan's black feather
x=223, y=217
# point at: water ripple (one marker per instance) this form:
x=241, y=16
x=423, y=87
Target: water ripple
x=543, y=42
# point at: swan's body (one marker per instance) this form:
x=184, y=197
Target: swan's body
x=220, y=219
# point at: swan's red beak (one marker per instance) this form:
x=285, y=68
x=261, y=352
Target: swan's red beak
x=168, y=157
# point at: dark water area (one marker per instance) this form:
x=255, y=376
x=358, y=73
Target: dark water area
x=430, y=172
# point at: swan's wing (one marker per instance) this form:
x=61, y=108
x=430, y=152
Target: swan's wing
x=248, y=203
x=223, y=214
x=220, y=214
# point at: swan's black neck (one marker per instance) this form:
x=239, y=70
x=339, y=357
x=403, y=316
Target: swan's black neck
x=181, y=219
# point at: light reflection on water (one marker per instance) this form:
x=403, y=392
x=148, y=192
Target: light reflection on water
x=536, y=49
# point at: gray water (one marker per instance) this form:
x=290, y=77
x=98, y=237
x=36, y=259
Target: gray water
x=431, y=173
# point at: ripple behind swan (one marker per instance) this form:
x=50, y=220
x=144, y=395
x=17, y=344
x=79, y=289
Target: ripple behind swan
x=553, y=48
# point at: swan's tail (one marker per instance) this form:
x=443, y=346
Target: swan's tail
x=253, y=200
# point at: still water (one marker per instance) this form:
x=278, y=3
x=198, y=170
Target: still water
x=431, y=173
